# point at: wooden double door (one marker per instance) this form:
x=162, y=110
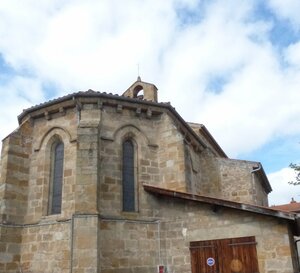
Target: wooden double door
x=234, y=255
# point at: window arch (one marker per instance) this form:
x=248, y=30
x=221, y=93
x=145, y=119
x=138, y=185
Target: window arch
x=128, y=181
x=56, y=177
x=138, y=92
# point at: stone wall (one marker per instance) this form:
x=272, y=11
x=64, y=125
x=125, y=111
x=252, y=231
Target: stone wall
x=115, y=127
x=93, y=233
x=209, y=183
x=171, y=155
x=10, y=249
x=129, y=246
x=93, y=136
x=87, y=160
x=45, y=248
x=14, y=174
x=45, y=132
x=159, y=154
x=259, y=193
x=238, y=183
x=134, y=246
x=28, y=242
x=227, y=178
x=85, y=244
x=184, y=222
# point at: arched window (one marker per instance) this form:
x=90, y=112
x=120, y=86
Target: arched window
x=56, y=179
x=138, y=92
x=128, y=176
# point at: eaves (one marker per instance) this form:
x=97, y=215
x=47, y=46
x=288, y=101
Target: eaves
x=73, y=99
x=220, y=202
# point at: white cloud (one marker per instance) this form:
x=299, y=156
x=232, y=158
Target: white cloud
x=16, y=95
x=287, y=9
x=87, y=43
x=292, y=55
x=282, y=191
x=260, y=96
x=215, y=46
x=79, y=45
x=261, y=101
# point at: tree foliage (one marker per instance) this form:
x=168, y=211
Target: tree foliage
x=296, y=168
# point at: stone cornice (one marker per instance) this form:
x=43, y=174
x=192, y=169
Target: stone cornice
x=76, y=100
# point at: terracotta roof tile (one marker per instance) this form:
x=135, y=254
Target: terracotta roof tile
x=291, y=207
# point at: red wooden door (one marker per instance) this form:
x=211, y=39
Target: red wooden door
x=235, y=255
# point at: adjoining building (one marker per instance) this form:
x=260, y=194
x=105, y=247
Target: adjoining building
x=96, y=182
x=293, y=206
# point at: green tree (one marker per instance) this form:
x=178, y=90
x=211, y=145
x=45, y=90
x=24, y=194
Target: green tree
x=296, y=168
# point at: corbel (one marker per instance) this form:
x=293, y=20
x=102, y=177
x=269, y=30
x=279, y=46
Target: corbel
x=78, y=108
x=149, y=113
x=196, y=148
x=47, y=116
x=182, y=130
x=193, y=143
x=100, y=104
x=30, y=120
x=216, y=208
x=187, y=138
x=78, y=105
x=62, y=111
x=119, y=108
x=138, y=111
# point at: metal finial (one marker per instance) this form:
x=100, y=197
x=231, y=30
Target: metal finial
x=138, y=78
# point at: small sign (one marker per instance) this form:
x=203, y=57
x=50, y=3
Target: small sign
x=210, y=261
x=161, y=269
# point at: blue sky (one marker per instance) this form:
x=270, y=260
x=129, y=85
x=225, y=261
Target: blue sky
x=233, y=66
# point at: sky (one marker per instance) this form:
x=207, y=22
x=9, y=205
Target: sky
x=233, y=66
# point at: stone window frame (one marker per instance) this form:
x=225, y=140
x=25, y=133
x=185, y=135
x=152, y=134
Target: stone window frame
x=140, y=140
x=53, y=182
x=130, y=137
x=53, y=135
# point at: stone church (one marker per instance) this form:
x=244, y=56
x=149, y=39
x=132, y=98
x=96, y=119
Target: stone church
x=100, y=183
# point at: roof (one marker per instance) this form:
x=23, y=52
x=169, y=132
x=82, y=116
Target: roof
x=73, y=96
x=293, y=206
x=267, y=211
x=202, y=130
x=73, y=99
x=265, y=181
